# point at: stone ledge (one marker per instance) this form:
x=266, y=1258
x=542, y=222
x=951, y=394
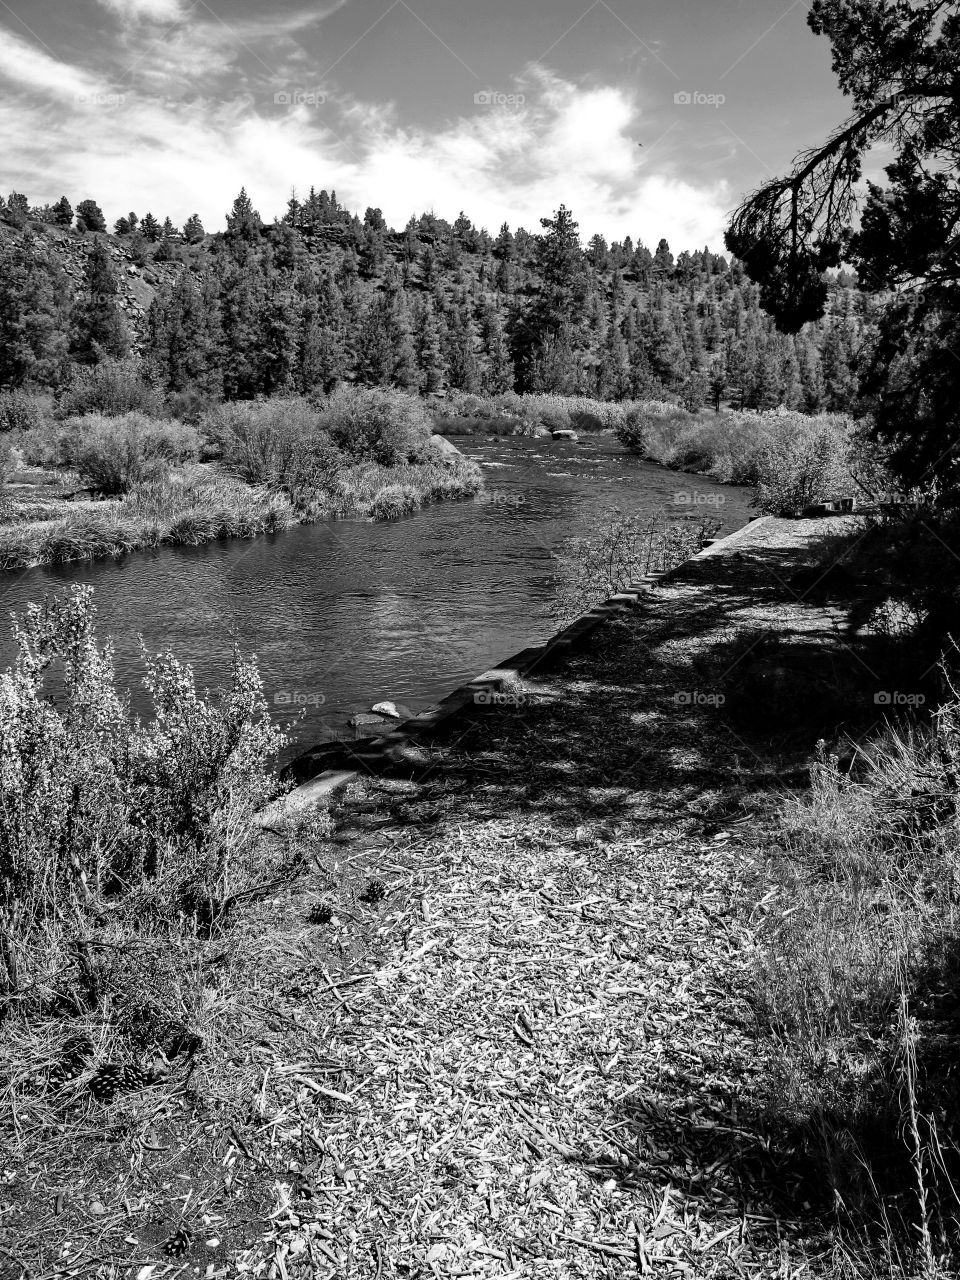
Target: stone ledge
x=322, y=771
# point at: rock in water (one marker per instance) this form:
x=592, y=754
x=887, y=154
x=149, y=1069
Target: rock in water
x=390, y=709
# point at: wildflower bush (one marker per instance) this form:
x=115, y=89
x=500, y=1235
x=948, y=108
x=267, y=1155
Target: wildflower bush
x=112, y=830
x=805, y=461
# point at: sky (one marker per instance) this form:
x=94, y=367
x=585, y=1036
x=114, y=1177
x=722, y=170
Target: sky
x=648, y=119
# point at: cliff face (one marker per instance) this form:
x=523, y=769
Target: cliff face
x=138, y=280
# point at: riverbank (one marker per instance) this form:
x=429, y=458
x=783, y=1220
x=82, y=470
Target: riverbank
x=202, y=504
x=500, y=1022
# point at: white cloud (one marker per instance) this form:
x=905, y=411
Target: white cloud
x=565, y=144
x=145, y=10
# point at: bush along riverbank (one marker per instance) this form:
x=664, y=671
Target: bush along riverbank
x=792, y=460
x=269, y=465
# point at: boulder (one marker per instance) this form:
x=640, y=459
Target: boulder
x=445, y=445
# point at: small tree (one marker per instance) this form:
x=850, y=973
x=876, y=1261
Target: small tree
x=90, y=213
x=18, y=209
x=63, y=212
x=193, y=231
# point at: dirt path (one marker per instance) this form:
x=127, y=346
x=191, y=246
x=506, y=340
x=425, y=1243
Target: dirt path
x=544, y=1078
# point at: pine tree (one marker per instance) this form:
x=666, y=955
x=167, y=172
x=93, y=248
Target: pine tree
x=34, y=304
x=17, y=209
x=242, y=297
x=663, y=261
x=427, y=347
x=279, y=340
x=193, y=231
x=323, y=353
x=63, y=212
x=613, y=369
x=496, y=374
x=96, y=326
x=179, y=349
x=460, y=347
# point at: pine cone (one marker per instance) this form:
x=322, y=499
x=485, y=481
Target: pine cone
x=179, y=1243
x=375, y=891
x=107, y=1081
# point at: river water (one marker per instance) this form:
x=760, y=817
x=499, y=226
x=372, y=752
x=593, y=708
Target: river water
x=346, y=613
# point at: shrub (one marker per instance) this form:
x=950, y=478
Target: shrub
x=803, y=463
x=22, y=411
x=377, y=424
x=260, y=439
x=113, y=831
x=112, y=387
x=622, y=550
x=280, y=443
x=113, y=454
x=651, y=427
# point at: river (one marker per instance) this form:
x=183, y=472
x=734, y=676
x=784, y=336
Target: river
x=346, y=613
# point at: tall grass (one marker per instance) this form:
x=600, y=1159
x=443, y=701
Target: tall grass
x=185, y=509
x=856, y=979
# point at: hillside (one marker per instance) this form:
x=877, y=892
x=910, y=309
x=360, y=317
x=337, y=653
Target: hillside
x=322, y=296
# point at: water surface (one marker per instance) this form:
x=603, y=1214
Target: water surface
x=345, y=613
